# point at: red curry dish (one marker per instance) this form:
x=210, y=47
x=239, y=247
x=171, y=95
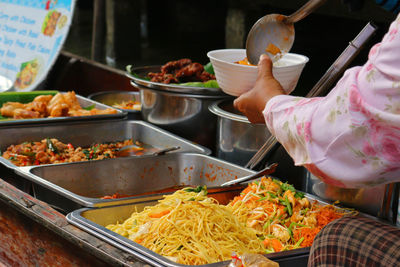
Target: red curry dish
x=49, y=151
x=181, y=71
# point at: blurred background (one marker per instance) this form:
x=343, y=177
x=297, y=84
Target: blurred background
x=152, y=32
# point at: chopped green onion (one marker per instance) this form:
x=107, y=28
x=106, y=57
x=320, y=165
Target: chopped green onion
x=267, y=224
x=51, y=146
x=272, y=195
x=269, y=251
x=298, y=194
x=298, y=243
x=303, y=212
x=261, y=237
x=288, y=205
x=263, y=198
x=90, y=107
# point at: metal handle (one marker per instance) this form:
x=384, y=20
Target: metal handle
x=268, y=170
x=165, y=150
x=304, y=11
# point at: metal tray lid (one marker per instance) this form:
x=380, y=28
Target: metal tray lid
x=138, y=75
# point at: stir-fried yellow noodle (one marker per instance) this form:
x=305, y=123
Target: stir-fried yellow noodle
x=190, y=228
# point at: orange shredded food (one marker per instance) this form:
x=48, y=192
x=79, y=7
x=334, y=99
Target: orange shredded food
x=244, y=61
x=283, y=217
x=273, y=49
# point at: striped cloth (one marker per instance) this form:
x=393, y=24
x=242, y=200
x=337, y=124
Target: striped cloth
x=356, y=241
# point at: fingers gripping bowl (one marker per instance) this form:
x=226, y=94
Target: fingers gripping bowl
x=236, y=79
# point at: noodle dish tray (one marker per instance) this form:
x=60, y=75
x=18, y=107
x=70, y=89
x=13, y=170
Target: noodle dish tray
x=96, y=220
x=28, y=97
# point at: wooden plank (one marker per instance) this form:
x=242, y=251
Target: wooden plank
x=34, y=234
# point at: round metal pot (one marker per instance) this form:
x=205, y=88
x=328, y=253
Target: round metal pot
x=183, y=114
x=111, y=97
x=237, y=139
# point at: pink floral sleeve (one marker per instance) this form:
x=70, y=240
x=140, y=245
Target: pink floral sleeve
x=351, y=137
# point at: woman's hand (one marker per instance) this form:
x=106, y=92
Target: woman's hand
x=252, y=103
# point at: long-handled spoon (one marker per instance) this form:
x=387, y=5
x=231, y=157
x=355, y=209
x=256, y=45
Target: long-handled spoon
x=268, y=170
x=274, y=34
x=134, y=150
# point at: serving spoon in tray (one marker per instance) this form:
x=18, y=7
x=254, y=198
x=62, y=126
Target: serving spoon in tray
x=139, y=151
x=268, y=170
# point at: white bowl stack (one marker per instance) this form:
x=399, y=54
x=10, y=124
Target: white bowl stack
x=236, y=79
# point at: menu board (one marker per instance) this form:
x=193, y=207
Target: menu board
x=32, y=33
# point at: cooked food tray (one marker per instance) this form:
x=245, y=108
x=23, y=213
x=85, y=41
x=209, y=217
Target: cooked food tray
x=26, y=97
x=85, y=183
x=86, y=133
x=95, y=220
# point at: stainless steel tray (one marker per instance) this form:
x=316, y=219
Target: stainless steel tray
x=141, y=74
x=85, y=133
x=83, y=101
x=84, y=183
x=97, y=219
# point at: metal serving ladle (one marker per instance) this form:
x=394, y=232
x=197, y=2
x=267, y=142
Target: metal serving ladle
x=274, y=34
x=268, y=170
x=138, y=151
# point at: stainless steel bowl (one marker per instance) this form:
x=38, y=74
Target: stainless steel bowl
x=183, y=114
x=237, y=139
x=115, y=97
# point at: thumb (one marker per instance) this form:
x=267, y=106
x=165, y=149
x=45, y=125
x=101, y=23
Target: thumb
x=265, y=67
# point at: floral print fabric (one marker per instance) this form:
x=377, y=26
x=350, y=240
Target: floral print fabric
x=351, y=137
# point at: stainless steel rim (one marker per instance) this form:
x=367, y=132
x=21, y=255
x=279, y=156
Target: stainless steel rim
x=214, y=108
x=162, y=91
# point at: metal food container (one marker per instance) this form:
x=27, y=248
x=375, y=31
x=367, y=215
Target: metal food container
x=380, y=201
x=115, y=97
x=184, y=114
x=237, y=139
x=95, y=220
x=84, y=183
x=84, y=134
x=25, y=97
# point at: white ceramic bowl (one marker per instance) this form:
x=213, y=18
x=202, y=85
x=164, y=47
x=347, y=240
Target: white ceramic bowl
x=236, y=79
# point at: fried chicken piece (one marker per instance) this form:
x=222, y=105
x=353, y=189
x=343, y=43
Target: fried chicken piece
x=71, y=100
x=58, y=110
x=62, y=104
x=39, y=104
x=162, y=77
x=189, y=73
x=8, y=108
x=20, y=113
x=172, y=66
x=205, y=76
x=180, y=71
